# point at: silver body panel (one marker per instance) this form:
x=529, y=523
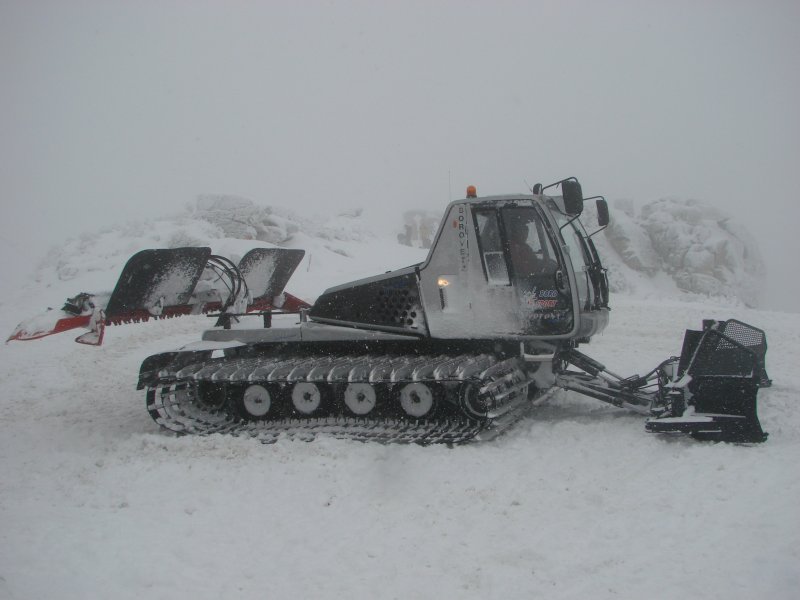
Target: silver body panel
x=474, y=306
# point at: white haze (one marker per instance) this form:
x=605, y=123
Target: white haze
x=115, y=111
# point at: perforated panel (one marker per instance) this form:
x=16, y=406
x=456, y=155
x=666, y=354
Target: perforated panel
x=398, y=306
x=393, y=303
x=744, y=334
x=732, y=349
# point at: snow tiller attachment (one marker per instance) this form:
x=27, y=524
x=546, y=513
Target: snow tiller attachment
x=172, y=282
x=708, y=392
x=713, y=393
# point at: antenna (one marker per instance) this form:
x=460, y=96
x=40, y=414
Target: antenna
x=449, y=187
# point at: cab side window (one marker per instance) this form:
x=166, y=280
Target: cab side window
x=491, y=247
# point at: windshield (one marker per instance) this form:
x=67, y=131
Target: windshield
x=578, y=253
x=589, y=273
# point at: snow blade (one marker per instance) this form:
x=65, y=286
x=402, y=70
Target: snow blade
x=267, y=271
x=165, y=283
x=719, y=373
x=154, y=280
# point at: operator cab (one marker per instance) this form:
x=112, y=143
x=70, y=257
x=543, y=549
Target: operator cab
x=500, y=267
x=515, y=266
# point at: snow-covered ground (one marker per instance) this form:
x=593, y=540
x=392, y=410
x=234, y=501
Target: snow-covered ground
x=576, y=501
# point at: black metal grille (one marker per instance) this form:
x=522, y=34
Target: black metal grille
x=399, y=307
x=746, y=335
x=732, y=349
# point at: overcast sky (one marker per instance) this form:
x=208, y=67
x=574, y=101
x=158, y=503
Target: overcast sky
x=111, y=110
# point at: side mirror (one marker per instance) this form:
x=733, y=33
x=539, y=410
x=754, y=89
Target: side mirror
x=573, y=196
x=602, y=212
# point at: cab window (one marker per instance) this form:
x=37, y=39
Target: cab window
x=578, y=255
x=529, y=246
x=491, y=247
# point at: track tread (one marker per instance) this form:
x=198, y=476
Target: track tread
x=174, y=406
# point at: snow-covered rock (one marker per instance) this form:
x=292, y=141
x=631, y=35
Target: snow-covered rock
x=631, y=241
x=242, y=218
x=702, y=249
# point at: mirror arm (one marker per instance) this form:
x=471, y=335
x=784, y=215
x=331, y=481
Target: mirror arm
x=575, y=179
x=568, y=222
x=598, y=231
x=572, y=195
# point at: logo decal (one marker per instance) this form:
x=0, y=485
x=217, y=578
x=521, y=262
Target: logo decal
x=537, y=299
x=463, y=238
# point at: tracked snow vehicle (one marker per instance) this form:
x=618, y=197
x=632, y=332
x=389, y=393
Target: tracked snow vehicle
x=455, y=348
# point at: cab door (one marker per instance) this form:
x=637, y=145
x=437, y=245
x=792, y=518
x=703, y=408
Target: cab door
x=517, y=251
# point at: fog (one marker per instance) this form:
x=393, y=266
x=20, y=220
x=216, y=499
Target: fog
x=112, y=111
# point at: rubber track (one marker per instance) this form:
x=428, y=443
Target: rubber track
x=502, y=382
